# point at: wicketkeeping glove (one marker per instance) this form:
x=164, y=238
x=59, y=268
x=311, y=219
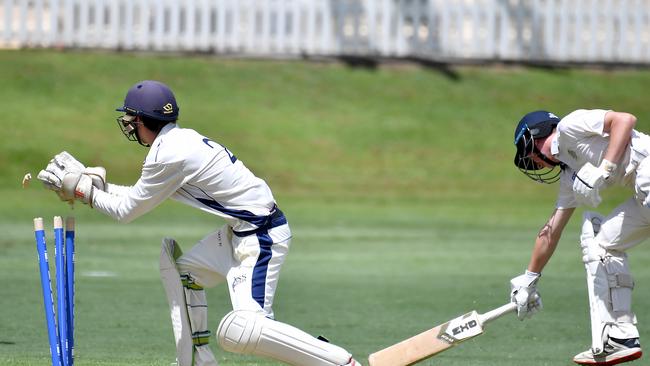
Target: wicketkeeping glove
x=79, y=186
x=98, y=176
x=523, y=291
x=588, y=181
x=64, y=164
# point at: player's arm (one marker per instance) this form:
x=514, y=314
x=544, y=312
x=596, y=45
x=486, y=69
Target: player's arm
x=523, y=288
x=157, y=183
x=547, y=239
x=116, y=189
x=589, y=179
x=619, y=126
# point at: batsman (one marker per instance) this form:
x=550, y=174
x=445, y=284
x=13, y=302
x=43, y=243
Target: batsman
x=586, y=152
x=247, y=252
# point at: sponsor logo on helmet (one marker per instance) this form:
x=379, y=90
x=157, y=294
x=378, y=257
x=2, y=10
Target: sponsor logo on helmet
x=168, y=108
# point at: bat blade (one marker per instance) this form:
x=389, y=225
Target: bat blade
x=429, y=343
x=436, y=340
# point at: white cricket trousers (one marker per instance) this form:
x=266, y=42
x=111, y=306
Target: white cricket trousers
x=249, y=262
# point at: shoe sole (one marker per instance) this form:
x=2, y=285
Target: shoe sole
x=624, y=358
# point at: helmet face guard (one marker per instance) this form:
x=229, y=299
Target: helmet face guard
x=536, y=125
x=526, y=149
x=127, y=124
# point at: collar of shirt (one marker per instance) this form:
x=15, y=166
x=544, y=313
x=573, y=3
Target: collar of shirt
x=152, y=155
x=166, y=129
x=163, y=132
x=555, y=147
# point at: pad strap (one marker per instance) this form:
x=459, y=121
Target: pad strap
x=188, y=283
x=618, y=280
x=201, y=338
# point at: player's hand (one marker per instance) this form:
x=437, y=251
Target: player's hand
x=78, y=186
x=588, y=181
x=69, y=164
x=63, y=164
x=523, y=292
x=52, y=178
x=98, y=176
x=60, y=165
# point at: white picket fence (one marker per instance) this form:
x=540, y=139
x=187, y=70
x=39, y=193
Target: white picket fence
x=519, y=30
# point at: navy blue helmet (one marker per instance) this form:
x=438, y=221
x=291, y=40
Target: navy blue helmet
x=151, y=99
x=153, y=102
x=535, y=125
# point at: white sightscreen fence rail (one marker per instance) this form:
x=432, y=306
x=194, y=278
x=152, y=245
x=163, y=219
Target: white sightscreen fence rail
x=518, y=30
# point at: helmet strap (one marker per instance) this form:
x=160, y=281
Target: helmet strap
x=137, y=137
x=128, y=126
x=544, y=157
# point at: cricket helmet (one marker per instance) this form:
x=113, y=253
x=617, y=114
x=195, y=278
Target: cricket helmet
x=536, y=125
x=151, y=99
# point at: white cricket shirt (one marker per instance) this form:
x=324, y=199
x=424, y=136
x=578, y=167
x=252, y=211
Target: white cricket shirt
x=580, y=139
x=191, y=168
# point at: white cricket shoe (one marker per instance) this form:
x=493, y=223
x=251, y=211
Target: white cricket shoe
x=616, y=351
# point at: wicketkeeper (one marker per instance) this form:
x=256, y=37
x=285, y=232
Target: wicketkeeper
x=247, y=252
x=588, y=151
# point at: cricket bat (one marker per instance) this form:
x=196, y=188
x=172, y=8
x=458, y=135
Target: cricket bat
x=438, y=339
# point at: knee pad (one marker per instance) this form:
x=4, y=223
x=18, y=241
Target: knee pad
x=620, y=283
x=249, y=332
x=239, y=331
x=609, y=268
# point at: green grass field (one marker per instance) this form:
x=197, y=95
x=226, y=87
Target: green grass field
x=398, y=183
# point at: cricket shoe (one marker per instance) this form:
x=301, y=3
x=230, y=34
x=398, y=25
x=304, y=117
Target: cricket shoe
x=616, y=351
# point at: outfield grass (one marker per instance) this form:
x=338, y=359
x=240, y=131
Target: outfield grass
x=398, y=183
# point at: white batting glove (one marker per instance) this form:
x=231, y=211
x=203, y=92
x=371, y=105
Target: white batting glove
x=78, y=186
x=523, y=292
x=588, y=181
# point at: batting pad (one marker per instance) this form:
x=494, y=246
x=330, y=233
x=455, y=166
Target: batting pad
x=189, y=320
x=609, y=286
x=248, y=332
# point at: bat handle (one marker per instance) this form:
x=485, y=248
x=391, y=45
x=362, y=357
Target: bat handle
x=498, y=312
